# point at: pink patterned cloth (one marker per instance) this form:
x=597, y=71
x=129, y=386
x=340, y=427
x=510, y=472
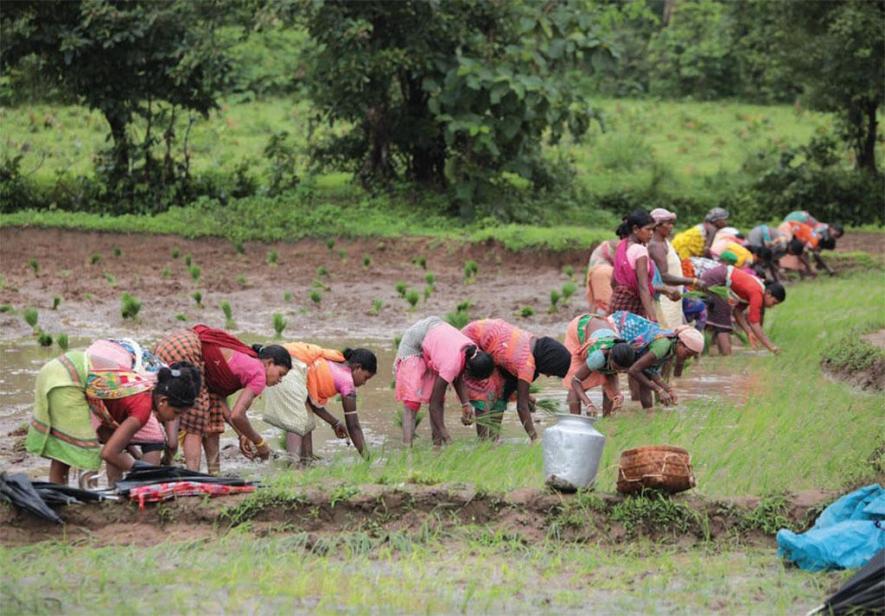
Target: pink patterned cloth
x=158, y=492
x=624, y=273
x=442, y=354
x=342, y=376
x=249, y=371
x=509, y=346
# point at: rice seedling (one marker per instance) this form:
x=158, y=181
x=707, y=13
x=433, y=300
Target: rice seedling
x=367, y=262
x=188, y=260
x=111, y=279
x=195, y=271
x=401, y=289
x=398, y=418
x=471, y=269
x=396, y=341
x=166, y=273
x=228, y=314
x=412, y=297
x=95, y=259
x=117, y=252
x=322, y=272
x=460, y=317
x=330, y=244
x=44, y=339
x=35, y=266
x=241, y=280
x=31, y=316
x=568, y=270
x=176, y=253
x=63, y=342
x=239, y=247
x=342, y=254
x=6, y=308
x=198, y=298
x=272, y=258
x=377, y=305
x=554, y=299
x=420, y=262
x=279, y=324
x=526, y=312
x=316, y=297
x=568, y=289
x=288, y=297
x=319, y=284
x=430, y=279
x=129, y=306
x=180, y=317
x=428, y=291
x=56, y=302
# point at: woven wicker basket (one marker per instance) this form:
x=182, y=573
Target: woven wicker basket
x=658, y=467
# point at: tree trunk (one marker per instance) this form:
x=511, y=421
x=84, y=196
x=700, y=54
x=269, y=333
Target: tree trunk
x=669, y=9
x=866, y=155
x=427, y=155
x=120, y=152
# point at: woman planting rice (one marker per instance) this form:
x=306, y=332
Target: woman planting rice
x=521, y=358
x=431, y=356
x=770, y=246
x=599, y=276
x=663, y=254
x=317, y=375
x=656, y=347
x=746, y=293
x=112, y=382
x=696, y=241
x=597, y=356
x=227, y=366
x=633, y=276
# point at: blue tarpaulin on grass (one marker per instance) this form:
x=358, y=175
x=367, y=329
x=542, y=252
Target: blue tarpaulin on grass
x=845, y=536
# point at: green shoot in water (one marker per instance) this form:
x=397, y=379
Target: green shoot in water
x=6, y=308
x=330, y=244
x=316, y=297
x=377, y=305
x=272, y=258
x=56, y=302
x=239, y=248
x=228, y=314
x=129, y=306
x=176, y=253
x=526, y=312
x=44, y=339
x=112, y=280
x=568, y=289
x=63, y=342
x=471, y=269
x=117, y=251
x=166, y=273
x=568, y=270
x=188, y=260
x=554, y=300
x=412, y=297
x=198, y=298
x=34, y=265
x=31, y=316
x=180, y=317
x=430, y=279
x=288, y=297
x=95, y=259
x=367, y=262
x=420, y=262
x=322, y=272
x=279, y=324
x=428, y=291
x=460, y=317
x=401, y=289
x=195, y=272
x=241, y=280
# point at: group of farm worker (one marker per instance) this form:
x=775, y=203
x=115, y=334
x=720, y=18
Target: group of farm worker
x=117, y=401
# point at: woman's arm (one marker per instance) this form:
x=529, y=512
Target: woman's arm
x=637, y=371
x=467, y=414
x=437, y=412
x=114, y=451
x=351, y=418
x=240, y=421
x=577, y=395
x=755, y=329
x=522, y=409
x=644, y=292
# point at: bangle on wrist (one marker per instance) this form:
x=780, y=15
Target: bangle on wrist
x=261, y=443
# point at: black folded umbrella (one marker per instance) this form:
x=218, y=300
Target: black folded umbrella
x=18, y=490
x=864, y=593
x=57, y=494
x=143, y=474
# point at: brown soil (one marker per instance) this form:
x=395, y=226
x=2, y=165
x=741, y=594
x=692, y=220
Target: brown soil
x=873, y=243
x=90, y=306
x=869, y=379
x=527, y=514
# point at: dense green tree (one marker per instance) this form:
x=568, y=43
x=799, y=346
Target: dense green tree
x=836, y=49
x=124, y=59
x=450, y=94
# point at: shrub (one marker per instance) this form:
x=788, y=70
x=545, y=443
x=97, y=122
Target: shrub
x=129, y=306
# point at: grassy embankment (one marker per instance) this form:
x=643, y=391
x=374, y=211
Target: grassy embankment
x=693, y=150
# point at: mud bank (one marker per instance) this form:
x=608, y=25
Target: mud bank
x=527, y=515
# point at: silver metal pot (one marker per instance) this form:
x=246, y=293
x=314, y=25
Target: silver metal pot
x=572, y=450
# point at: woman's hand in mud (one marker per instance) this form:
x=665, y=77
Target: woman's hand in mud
x=340, y=430
x=775, y=349
x=247, y=448
x=665, y=397
x=467, y=415
x=617, y=402
x=533, y=404
x=263, y=452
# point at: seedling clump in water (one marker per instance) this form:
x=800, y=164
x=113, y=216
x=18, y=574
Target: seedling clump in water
x=176, y=253
x=554, y=300
x=44, y=339
x=117, y=251
x=526, y=312
x=31, y=316
x=241, y=280
x=112, y=280
x=316, y=297
x=430, y=279
x=95, y=259
x=377, y=305
x=288, y=297
x=166, y=273
x=130, y=305
x=228, y=314
x=34, y=265
x=412, y=297
x=62, y=341
x=188, y=260
x=56, y=301
x=471, y=269
x=279, y=324
x=568, y=289
x=367, y=262
x=198, y=298
x=322, y=271
x=401, y=289
x=272, y=258
x=195, y=272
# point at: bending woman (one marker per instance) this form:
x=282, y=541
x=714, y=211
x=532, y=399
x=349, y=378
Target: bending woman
x=599, y=276
x=597, y=356
x=122, y=395
x=633, y=277
x=655, y=347
x=745, y=293
x=226, y=366
x=316, y=376
x=431, y=356
x=520, y=357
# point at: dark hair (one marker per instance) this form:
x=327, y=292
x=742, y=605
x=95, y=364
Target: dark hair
x=763, y=252
x=838, y=228
x=479, y=363
x=180, y=383
x=796, y=246
x=827, y=243
x=275, y=353
x=364, y=358
x=622, y=354
x=777, y=290
x=636, y=218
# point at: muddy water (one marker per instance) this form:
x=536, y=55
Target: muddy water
x=21, y=359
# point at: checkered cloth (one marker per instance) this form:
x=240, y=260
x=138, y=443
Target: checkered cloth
x=625, y=298
x=205, y=416
x=158, y=492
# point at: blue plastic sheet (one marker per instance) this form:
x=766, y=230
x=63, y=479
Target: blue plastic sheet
x=845, y=536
